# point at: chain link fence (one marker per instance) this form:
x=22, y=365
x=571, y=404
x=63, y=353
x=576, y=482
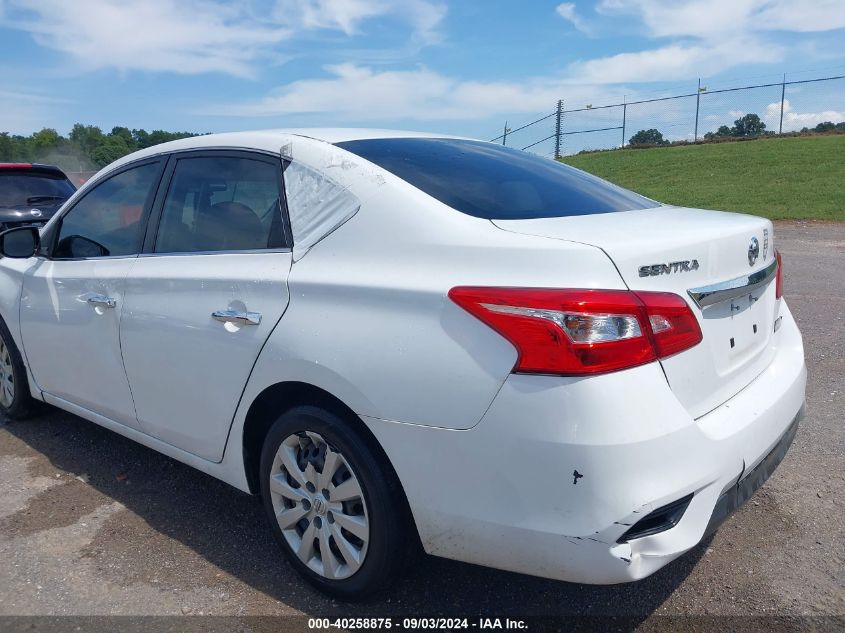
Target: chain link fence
x=784, y=106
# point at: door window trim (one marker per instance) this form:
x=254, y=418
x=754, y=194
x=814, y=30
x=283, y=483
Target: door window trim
x=51, y=236
x=154, y=224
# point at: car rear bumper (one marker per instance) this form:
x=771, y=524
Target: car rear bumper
x=740, y=492
x=559, y=469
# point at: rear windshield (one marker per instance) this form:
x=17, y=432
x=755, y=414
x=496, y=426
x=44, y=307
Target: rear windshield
x=494, y=182
x=21, y=188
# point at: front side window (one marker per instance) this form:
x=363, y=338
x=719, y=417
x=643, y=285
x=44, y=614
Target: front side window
x=221, y=204
x=108, y=220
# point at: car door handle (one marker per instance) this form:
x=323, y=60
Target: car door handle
x=236, y=316
x=102, y=300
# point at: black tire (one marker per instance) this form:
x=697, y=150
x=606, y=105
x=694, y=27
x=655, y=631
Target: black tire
x=22, y=403
x=391, y=538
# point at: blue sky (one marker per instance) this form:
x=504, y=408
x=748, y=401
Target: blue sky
x=459, y=67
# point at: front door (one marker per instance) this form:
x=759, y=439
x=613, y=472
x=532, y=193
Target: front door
x=73, y=299
x=201, y=303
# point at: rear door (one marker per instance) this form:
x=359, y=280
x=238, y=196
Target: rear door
x=205, y=295
x=73, y=300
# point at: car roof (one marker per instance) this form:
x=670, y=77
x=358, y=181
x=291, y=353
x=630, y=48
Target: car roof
x=340, y=134
x=273, y=140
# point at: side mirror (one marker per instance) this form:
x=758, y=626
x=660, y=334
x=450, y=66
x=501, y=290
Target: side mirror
x=74, y=246
x=20, y=242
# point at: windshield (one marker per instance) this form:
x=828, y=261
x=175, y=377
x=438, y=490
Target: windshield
x=17, y=187
x=494, y=182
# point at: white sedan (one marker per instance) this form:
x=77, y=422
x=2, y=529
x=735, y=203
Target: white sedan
x=402, y=339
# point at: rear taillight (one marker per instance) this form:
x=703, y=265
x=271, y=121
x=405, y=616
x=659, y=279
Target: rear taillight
x=580, y=332
x=779, y=276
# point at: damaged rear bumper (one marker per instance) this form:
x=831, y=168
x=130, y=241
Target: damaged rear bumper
x=748, y=483
x=559, y=469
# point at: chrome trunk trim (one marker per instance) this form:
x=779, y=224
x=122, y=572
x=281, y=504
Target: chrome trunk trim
x=726, y=290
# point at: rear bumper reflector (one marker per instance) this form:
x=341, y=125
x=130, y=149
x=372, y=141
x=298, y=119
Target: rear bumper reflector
x=660, y=520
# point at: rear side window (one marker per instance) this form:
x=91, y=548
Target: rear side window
x=494, y=182
x=221, y=204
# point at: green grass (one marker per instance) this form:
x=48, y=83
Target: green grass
x=779, y=178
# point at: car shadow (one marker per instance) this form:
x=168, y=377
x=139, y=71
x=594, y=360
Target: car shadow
x=227, y=528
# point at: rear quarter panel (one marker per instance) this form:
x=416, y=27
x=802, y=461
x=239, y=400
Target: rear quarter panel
x=370, y=321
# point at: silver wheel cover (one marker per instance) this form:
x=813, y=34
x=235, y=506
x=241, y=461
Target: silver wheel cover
x=320, y=506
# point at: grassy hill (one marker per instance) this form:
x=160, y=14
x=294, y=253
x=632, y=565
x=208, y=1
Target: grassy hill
x=779, y=178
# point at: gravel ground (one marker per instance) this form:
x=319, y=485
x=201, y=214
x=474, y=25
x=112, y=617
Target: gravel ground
x=92, y=523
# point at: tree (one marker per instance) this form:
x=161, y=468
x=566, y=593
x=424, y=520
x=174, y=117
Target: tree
x=7, y=148
x=748, y=125
x=84, y=148
x=142, y=138
x=46, y=140
x=648, y=137
x=126, y=135
x=112, y=148
x=86, y=138
x=723, y=132
x=827, y=126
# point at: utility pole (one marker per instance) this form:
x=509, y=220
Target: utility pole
x=505, y=134
x=697, y=104
x=624, y=117
x=557, y=127
x=782, y=99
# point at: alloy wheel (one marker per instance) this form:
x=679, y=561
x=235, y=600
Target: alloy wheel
x=7, y=376
x=320, y=506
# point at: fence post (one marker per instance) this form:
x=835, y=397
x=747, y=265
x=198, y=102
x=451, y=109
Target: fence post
x=782, y=95
x=697, y=103
x=557, y=128
x=505, y=134
x=624, y=118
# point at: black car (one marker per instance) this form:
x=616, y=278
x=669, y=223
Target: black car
x=30, y=194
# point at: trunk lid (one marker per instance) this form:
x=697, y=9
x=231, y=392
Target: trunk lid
x=679, y=250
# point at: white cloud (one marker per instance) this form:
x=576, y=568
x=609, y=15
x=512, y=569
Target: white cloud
x=706, y=37
x=196, y=36
x=793, y=121
x=676, y=61
x=349, y=15
x=805, y=16
x=682, y=18
x=361, y=93
x=191, y=36
x=721, y=18
x=343, y=15
x=567, y=11
x=358, y=93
